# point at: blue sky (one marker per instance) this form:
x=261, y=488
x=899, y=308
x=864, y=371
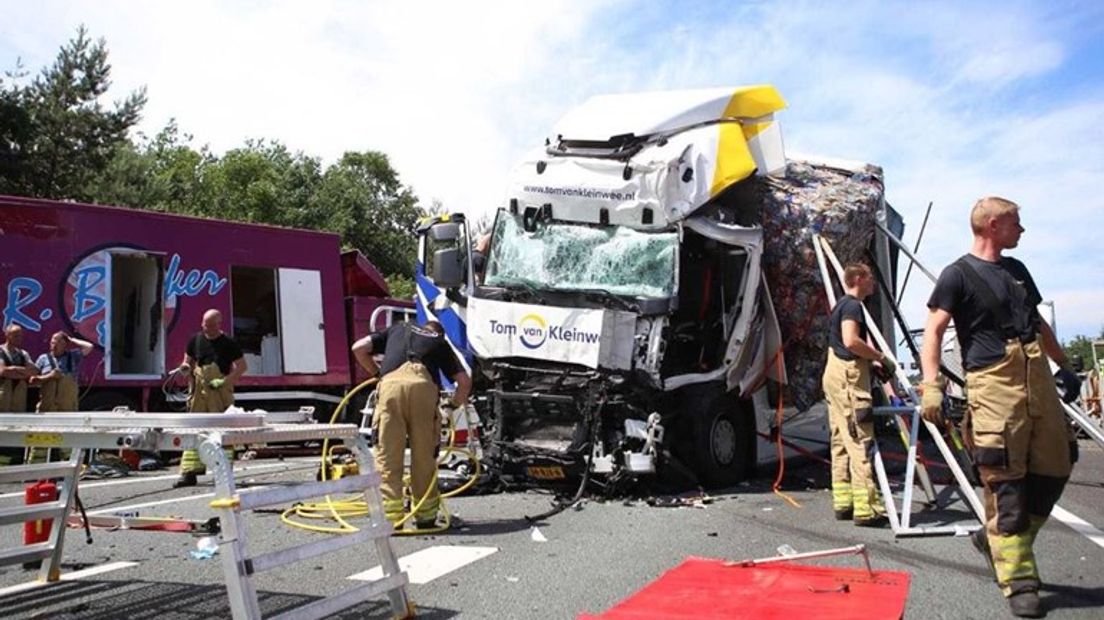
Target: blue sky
x=955, y=100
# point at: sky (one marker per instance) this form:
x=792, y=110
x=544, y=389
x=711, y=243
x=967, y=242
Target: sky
x=954, y=100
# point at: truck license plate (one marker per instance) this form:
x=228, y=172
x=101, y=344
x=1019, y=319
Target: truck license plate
x=554, y=472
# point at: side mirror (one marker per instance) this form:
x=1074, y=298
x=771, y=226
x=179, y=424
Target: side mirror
x=445, y=232
x=447, y=271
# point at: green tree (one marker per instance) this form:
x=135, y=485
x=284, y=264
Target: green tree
x=1081, y=346
x=362, y=198
x=57, y=135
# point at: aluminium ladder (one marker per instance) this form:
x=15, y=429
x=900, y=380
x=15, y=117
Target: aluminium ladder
x=900, y=521
x=208, y=433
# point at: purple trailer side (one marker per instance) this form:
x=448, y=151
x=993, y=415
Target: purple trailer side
x=136, y=283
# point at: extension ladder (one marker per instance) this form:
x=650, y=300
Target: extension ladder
x=208, y=433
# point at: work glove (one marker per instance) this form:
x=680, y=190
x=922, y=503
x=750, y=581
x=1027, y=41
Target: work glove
x=887, y=369
x=931, y=402
x=1069, y=384
x=215, y=384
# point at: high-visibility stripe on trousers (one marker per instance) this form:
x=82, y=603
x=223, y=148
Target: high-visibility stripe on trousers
x=850, y=417
x=58, y=394
x=205, y=399
x=407, y=410
x=1020, y=444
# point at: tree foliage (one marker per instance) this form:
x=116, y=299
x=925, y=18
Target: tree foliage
x=1081, y=347
x=57, y=133
x=58, y=141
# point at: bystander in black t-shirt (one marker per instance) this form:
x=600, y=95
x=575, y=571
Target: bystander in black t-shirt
x=221, y=350
x=405, y=342
x=978, y=329
x=848, y=308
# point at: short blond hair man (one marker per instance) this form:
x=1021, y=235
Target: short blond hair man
x=1019, y=436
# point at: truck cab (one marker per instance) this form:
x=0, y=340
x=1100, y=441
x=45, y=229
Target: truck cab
x=621, y=325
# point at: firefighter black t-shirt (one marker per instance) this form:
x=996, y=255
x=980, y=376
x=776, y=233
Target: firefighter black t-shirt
x=978, y=327
x=405, y=342
x=221, y=350
x=848, y=308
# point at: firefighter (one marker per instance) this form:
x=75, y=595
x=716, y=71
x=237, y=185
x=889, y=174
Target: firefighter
x=1019, y=436
x=16, y=370
x=413, y=360
x=216, y=363
x=57, y=380
x=846, y=382
x=57, y=373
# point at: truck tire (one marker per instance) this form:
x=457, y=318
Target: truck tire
x=723, y=439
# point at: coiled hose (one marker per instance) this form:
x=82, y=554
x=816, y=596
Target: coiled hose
x=339, y=510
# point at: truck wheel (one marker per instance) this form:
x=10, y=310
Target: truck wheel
x=724, y=441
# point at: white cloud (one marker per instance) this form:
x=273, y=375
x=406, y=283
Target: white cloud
x=954, y=101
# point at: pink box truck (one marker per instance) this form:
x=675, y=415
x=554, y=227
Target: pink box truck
x=136, y=283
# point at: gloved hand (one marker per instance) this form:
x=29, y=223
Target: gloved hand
x=931, y=402
x=1068, y=383
x=887, y=369
x=215, y=384
x=183, y=369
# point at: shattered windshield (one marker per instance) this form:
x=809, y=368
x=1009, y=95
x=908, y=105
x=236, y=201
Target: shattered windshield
x=565, y=256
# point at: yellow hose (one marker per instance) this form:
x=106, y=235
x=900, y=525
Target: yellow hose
x=340, y=510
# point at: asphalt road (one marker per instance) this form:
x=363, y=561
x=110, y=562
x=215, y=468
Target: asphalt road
x=593, y=556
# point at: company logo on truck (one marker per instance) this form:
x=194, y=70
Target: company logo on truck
x=532, y=331
x=84, y=293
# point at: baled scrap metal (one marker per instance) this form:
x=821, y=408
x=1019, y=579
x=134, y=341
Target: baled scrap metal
x=841, y=206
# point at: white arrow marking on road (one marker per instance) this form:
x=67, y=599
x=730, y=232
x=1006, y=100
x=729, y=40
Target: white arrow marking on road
x=1079, y=525
x=428, y=564
x=73, y=576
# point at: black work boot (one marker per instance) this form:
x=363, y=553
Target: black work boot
x=1024, y=600
x=980, y=541
x=186, y=479
x=845, y=515
x=875, y=521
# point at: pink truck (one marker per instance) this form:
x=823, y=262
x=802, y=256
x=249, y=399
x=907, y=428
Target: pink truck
x=136, y=283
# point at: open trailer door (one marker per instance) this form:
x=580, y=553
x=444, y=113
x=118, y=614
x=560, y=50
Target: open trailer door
x=134, y=332
x=303, y=332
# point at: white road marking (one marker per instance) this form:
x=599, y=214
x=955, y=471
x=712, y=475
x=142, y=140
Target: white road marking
x=135, y=480
x=428, y=564
x=73, y=576
x=1079, y=525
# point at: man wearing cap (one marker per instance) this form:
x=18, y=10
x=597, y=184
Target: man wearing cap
x=16, y=369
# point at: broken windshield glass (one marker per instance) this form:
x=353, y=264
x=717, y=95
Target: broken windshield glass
x=565, y=256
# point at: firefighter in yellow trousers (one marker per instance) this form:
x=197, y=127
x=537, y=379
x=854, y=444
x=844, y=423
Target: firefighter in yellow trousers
x=1020, y=438
x=846, y=383
x=57, y=380
x=406, y=410
x=16, y=369
x=216, y=363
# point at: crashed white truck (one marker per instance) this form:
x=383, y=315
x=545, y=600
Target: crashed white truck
x=649, y=263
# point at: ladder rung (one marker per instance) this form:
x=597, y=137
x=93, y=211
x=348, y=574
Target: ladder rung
x=353, y=596
x=43, y=471
x=33, y=512
x=307, y=490
x=26, y=553
x=290, y=555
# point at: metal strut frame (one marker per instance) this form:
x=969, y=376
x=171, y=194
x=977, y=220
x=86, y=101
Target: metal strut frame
x=209, y=434
x=900, y=521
